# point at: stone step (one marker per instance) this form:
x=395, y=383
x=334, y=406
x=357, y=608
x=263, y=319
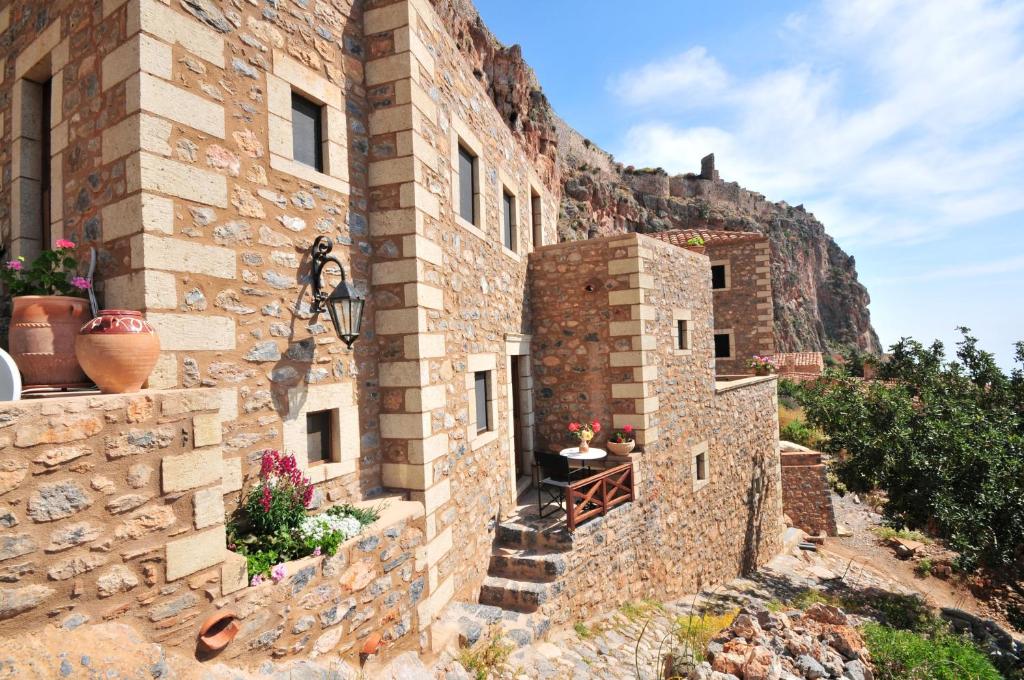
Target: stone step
x=520, y=596
x=518, y=536
x=528, y=565
x=476, y=621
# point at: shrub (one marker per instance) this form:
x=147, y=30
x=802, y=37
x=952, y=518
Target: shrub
x=902, y=654
x=923, y=567
x=799, y=432
x=695, y=632
x=943, y=438
x=483, y=661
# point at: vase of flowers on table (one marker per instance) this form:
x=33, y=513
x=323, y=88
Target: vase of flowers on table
x=584, y=432
x=622, y=442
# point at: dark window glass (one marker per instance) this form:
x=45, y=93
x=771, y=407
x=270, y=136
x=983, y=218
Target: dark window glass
x=483, y=421
x=722, y=346
x=702, y=469
x=44, y=171
x=467, y=185
x=318, y=436
x=717, y=276
x=307, y=132
x=681, y=329
x=508, y=211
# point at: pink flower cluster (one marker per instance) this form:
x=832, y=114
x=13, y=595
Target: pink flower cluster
x=15, y=265
x=65, y=244
x=81, y=283
x=277, y=469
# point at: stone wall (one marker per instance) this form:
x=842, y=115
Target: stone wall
x=111, y=507
x=611, y=354
x=745, y=307
x=806, y=496
x=109, y=504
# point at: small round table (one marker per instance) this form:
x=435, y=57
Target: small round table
x=574, y=453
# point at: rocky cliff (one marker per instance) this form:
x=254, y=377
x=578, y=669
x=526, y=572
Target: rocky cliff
x=819, y=303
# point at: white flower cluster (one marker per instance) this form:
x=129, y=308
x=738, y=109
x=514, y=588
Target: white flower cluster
x=316, y=527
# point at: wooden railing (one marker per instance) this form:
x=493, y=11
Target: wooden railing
x=598, y=494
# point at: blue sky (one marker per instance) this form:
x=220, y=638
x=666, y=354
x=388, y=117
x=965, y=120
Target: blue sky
x=899, y=124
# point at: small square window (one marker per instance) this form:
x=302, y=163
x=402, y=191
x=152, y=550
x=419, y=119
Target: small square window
x=319, y=437
x=701, y=467
x=467, y=186
x=307, y=132
x=508, y=222
x=719, y=278
x=682, y=334
x=482, y=394
x=723, y=346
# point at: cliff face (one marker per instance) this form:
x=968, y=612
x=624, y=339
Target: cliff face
x=819, y=304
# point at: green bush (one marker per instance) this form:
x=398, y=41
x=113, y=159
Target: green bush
x=944, y=439
x=905, y=655
x=799, y=432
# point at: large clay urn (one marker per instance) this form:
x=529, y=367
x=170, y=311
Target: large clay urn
x=118, y=350
x=42, y=338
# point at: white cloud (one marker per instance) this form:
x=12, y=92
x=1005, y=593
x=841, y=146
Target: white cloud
x=686, y=78
x=892, y=113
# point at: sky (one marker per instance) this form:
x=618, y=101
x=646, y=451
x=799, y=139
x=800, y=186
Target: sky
x=900, y=125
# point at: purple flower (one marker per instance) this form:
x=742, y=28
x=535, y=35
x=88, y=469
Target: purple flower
x=81, y=283
x=256, y=580
x=277, y=573
x=15, y=265
x=316, y=552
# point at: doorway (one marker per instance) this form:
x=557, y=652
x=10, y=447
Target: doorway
x=517, y=419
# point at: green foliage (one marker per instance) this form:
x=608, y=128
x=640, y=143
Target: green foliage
x=278, y=501
x=53, y=272
x=640, y=609
x=944, y=440
x=695, y=632
x=366, y=516
x=695, y=241
x=888, y=533
x=582, y=630
x=901, y=655
x=482, y=661
x=923, y=567
x=798, y=432
x=905, y=612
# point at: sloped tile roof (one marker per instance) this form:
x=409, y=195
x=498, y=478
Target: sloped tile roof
x=679, y=237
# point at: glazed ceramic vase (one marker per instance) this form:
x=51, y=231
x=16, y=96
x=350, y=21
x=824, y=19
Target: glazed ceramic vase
x=621, y=448
x=42, y=338
x=118, y=350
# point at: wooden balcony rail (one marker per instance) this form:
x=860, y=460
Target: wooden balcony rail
x=598, y=494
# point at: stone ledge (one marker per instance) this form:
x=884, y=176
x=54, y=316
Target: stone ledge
x=728, y=385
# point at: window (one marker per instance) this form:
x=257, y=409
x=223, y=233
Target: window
x=482, y=393
x=508, y=221
x=699, y=467
x=32, y=175
x=682, y=334
x=319, y=437
x=307, y=132
x=536, y=219
x=719, y=277
x=467, y=185
x=723, y=345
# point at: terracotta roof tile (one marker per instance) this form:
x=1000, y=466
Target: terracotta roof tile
x=711, y=237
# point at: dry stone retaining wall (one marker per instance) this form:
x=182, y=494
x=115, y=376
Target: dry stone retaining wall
x=806, y=496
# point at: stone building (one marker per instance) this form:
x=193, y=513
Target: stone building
x=741, y=286
x=201, y=147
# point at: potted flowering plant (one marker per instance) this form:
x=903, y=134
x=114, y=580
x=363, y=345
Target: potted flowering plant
x=695, y=243
x=584, y=432
x=762, y=365
x=46, y=313
x=622, y=442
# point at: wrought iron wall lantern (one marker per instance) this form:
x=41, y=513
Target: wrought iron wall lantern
x=343, y=304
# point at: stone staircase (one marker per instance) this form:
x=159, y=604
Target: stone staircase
x=524, y=576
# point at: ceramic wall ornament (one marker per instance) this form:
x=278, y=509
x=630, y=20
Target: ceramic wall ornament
x=118, y=350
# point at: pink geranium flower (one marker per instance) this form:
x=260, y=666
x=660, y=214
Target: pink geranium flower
x=64, y=243
x=81, y=283
x=15, y=265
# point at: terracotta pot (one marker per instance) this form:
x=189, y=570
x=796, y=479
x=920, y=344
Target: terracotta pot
x=42, y=338
x=218, y=630
x=118, y=350
x=621, y=448
x=697, y=249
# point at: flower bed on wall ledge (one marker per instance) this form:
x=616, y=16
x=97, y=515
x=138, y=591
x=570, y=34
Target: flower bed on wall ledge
x=272, y=525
